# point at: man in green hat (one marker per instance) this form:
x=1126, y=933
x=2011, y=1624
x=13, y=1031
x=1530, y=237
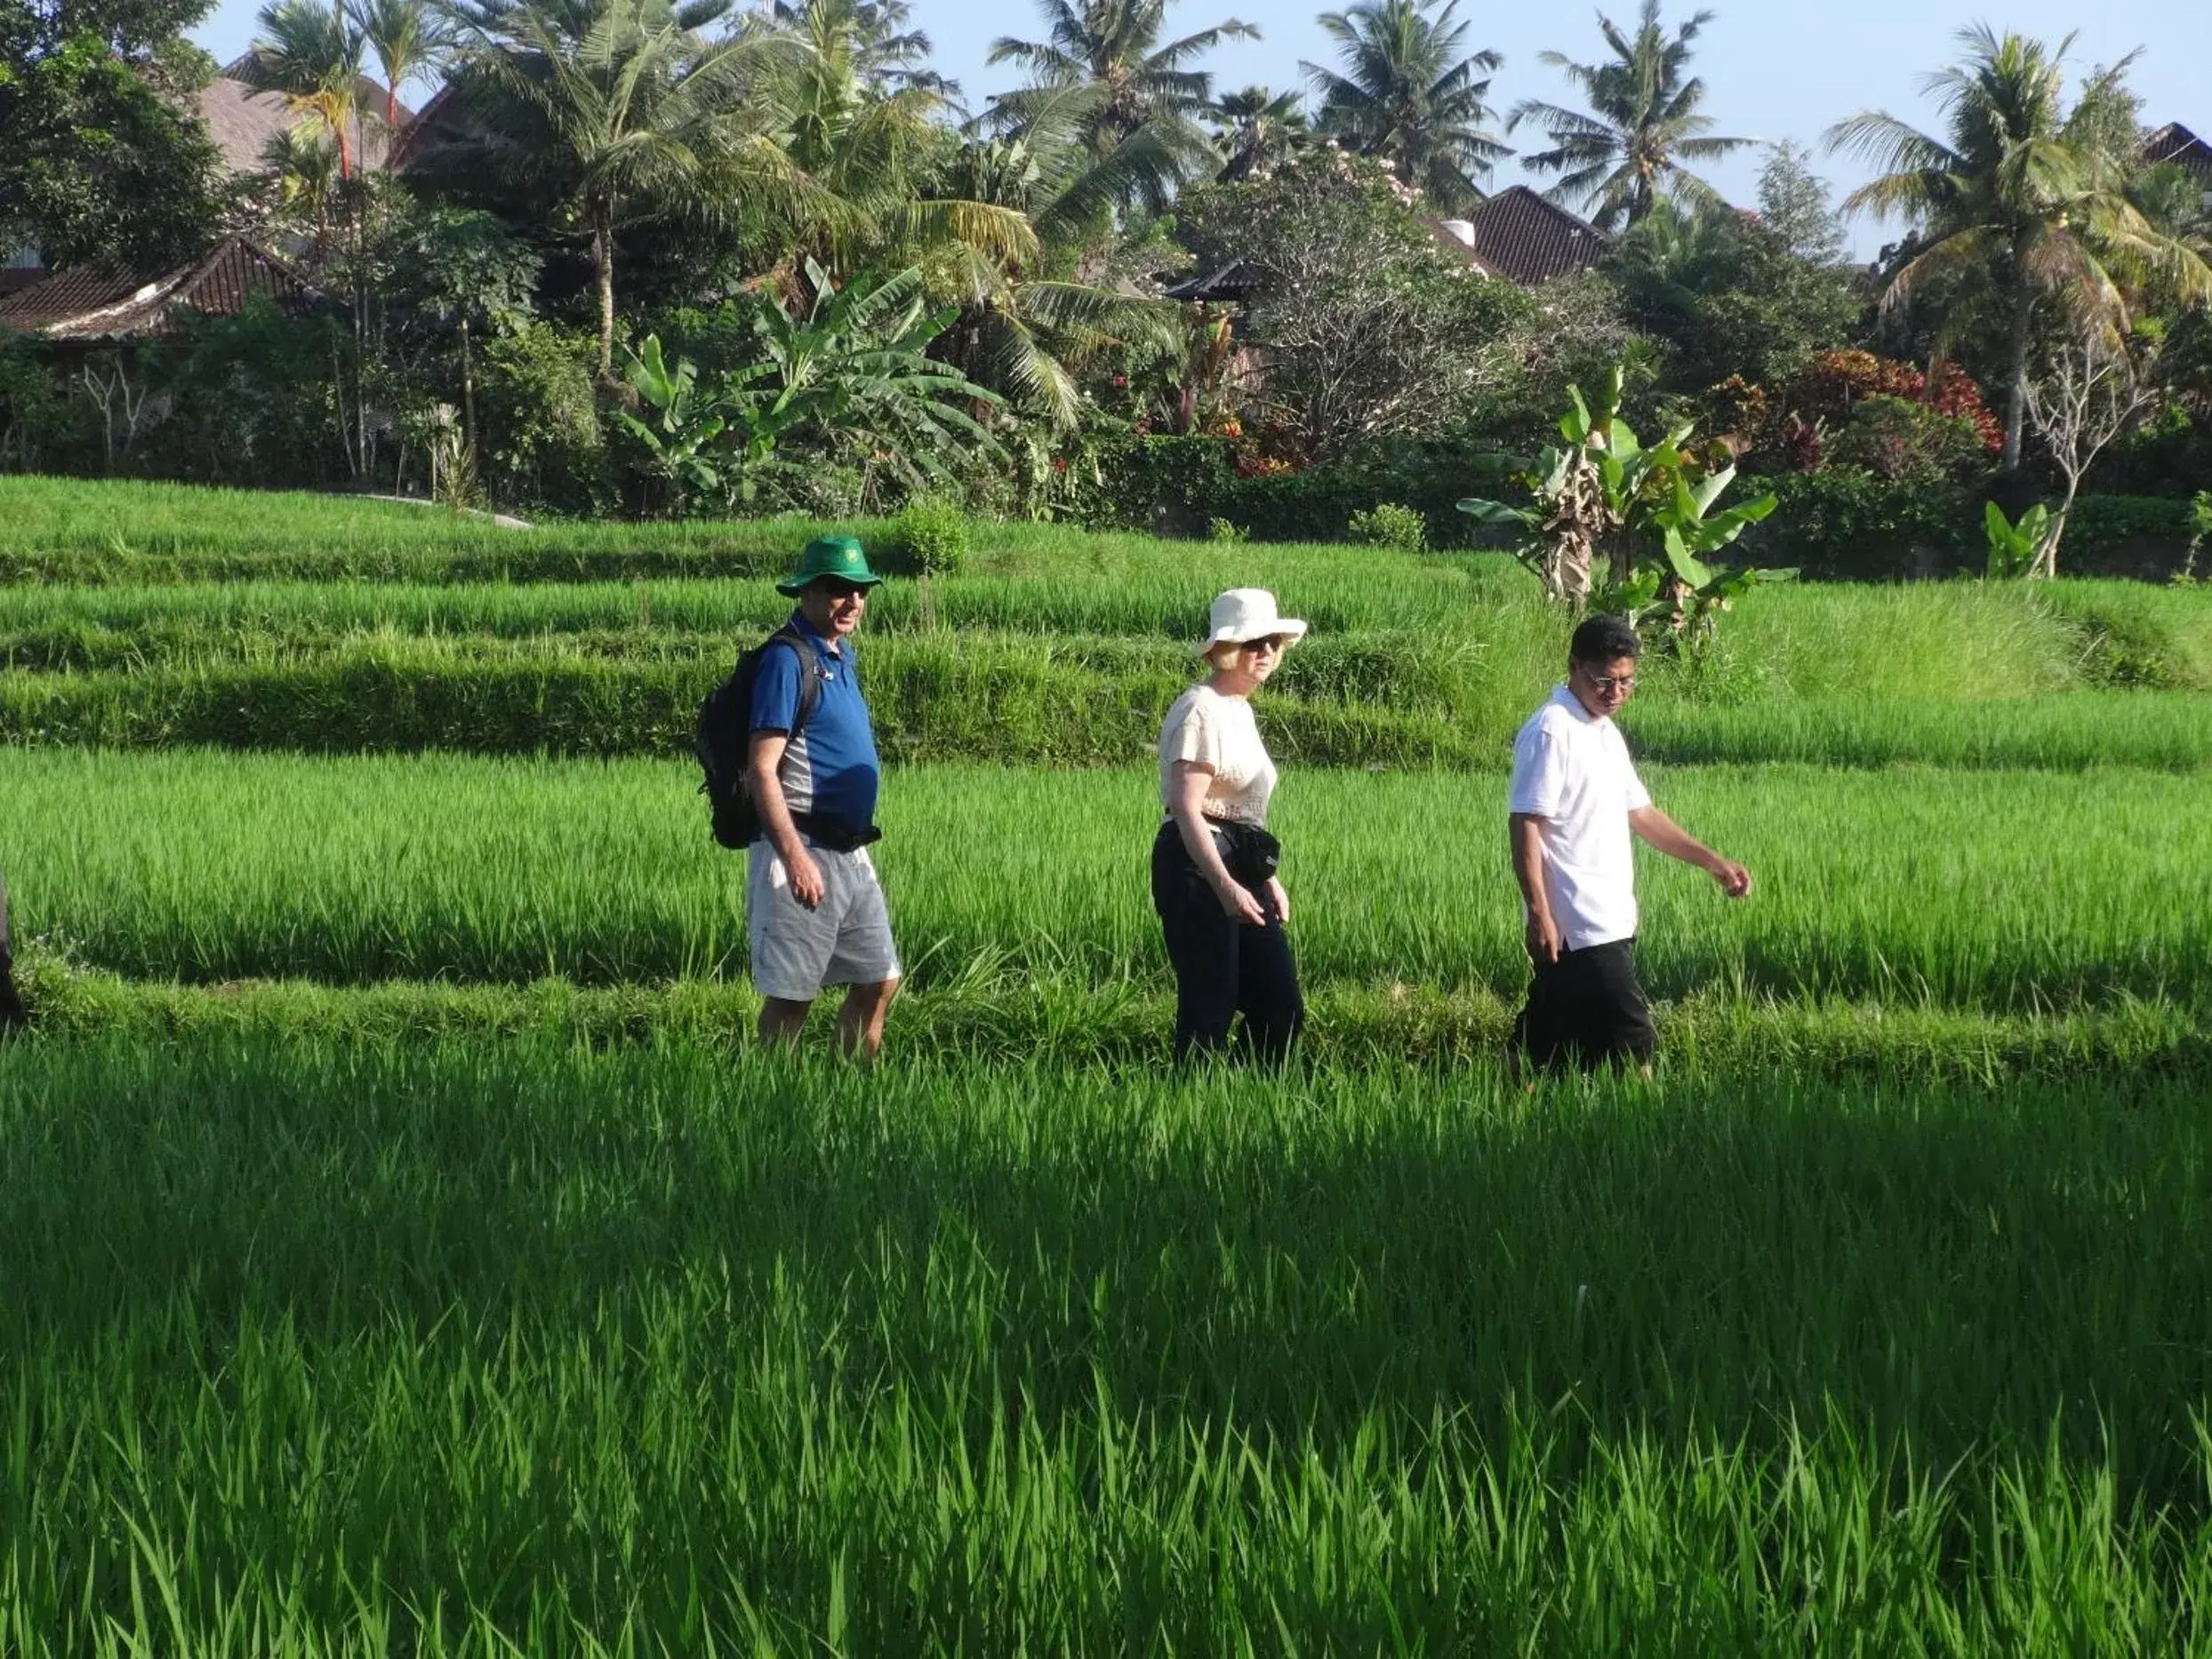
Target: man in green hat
x=815, y=911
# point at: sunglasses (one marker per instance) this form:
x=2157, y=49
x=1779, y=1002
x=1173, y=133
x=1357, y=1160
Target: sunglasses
x=1273, y=643
x=842, y=589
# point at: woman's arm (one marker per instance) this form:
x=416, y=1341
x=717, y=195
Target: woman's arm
x=1187, y=783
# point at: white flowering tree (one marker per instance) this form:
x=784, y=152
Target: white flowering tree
x=1364, y=323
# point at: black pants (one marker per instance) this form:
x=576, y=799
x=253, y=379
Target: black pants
x=11, y=1011
x=1587, y=1010
x=1223, y=966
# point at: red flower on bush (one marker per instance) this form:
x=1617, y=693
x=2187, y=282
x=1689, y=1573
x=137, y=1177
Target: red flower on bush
x=1838, y=381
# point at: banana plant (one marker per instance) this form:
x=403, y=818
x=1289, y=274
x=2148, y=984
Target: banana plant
x=852, y=371
x=1611, y=517
x=2013, y=548
x=685, y=422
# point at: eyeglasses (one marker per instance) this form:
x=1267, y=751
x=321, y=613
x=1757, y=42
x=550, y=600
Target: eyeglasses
x=1273, y=643
x=1608, y=683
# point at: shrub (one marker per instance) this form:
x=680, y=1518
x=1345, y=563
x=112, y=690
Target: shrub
x=543, y=441
x=1901, y=442
x=1220, y=529
x=1390, y=525
x=934, y=536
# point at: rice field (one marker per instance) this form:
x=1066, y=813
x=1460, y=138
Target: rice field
x=1992, y=890
x=404, y=1252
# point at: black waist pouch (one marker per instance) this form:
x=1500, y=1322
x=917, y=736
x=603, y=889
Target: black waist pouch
x=1252, y=854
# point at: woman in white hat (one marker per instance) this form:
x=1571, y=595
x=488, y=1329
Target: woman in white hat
x=1221, y=903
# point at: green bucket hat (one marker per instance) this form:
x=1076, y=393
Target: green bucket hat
x=828, y=556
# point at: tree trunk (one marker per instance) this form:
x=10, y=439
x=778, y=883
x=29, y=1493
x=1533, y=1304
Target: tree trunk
x=603, y=266
x=468, y=390
x=2045, y=564
x=2017, y=373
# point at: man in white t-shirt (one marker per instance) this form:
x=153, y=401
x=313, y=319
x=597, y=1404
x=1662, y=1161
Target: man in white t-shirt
x=1576, y=803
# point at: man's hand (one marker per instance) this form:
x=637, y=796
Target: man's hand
x=1544, y=940
x=1238, y=902
x=1734, y=880
x=807, y=885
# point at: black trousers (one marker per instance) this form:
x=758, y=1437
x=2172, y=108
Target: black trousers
x=1223, y=966
x=1587, y=1010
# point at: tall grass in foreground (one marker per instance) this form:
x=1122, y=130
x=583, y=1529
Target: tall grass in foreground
x=2000, y=891
x=449, y=1349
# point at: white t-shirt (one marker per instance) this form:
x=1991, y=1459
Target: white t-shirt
x=1572, y=770
x=1220, y=734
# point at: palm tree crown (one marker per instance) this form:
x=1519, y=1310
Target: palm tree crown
x=843, y=100
x=628, y=111
x=311, y=55
x=2022, y=202
x=409, y=37
x=1641, y=125
x=1113, y=46
x=887, y=54
x=1407, y=96
x=1257, y=128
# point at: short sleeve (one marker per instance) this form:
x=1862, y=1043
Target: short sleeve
x=775, y=689
x=1639, y=796
x=1539, y=773
x=1195, y=737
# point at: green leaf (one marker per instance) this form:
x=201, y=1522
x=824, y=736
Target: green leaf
x=1683, y=562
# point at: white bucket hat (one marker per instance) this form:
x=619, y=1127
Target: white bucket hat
x=1244, y=614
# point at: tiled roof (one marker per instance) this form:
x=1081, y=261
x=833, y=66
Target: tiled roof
x=241, y=120
x=93, y=303
x=1522, y=237
x=2177, y=144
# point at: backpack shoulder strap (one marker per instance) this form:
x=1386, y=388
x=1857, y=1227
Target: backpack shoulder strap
x=809, y=672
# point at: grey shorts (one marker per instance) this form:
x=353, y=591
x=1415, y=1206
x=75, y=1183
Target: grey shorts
x=846, y=940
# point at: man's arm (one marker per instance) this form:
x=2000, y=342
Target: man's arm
x=1656, y=830
x=1526, y=832
x=764, y=758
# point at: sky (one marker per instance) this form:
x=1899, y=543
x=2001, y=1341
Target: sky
x=1776, y=69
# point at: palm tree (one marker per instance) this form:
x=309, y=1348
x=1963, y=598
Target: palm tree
x=887, y=55
x=409, y=38
x=1641, y=126
x=303, y=161
x=1114, y=47
x=2023, y=203
x=311, y=56
x=1406, y=95
x=1258, y=128
x=627, y=112
x=1026, y=329
x=865, y=136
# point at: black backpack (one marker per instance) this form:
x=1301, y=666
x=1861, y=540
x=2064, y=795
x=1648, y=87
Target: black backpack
x=724, y=735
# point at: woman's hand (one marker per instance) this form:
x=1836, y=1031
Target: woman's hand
x=1282, y=898
x=1240, y=906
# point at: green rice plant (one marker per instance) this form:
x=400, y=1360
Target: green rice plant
x=990, y=1010
x=1993, y=891
x=518, y=1346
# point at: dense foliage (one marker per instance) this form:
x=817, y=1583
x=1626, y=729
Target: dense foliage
x=1106, y=257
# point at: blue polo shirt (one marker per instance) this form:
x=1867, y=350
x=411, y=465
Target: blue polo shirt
x=829, y=768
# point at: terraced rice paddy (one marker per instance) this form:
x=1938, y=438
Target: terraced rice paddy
x=403, y=1253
